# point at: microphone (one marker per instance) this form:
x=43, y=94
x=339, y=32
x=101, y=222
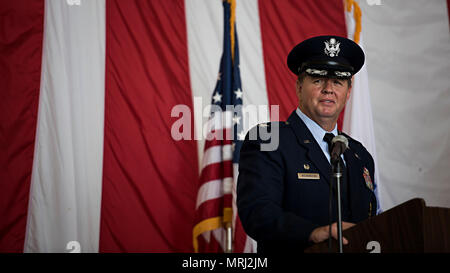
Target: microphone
x=339, y=144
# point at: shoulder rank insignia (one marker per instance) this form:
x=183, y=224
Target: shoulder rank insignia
x=367, y=178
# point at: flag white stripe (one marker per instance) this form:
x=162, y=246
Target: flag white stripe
x=220, y=235
x=250, y=245
x=214, y=189
x=204, y=23
x=253, y=78
x=65, y=194
x=216, y=154
x=253, y=74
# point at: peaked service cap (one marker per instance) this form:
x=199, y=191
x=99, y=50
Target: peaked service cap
x=326, y=56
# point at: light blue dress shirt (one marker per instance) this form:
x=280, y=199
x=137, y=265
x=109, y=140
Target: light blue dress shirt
x=318, y=132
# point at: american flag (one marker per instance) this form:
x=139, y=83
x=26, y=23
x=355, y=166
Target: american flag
x=215, y=207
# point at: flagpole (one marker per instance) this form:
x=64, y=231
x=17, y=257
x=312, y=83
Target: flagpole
x=225, y=94
x=228, y=224
x=228, y=238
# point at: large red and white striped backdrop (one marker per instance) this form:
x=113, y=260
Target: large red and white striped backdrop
x=86, y=99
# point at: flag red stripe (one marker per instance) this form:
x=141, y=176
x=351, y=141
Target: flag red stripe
x=22, y=24
x=224, y=139
x=448, y=11
x=149, y=179
x=240, y=237
x=216, y=171
x=283, y=25
x=211, y=208
x=212, y=247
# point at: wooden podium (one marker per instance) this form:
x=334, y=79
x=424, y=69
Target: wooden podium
x=410, y=227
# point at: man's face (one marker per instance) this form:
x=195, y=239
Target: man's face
x=322, y=99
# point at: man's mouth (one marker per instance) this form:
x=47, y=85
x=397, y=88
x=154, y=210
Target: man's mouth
x=327, y=101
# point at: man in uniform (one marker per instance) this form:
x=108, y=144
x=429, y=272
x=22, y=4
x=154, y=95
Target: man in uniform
x=283, y=194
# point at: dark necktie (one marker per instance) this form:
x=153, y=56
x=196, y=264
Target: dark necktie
x=328, y=138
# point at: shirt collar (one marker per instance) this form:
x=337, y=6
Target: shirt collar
x=315, y=129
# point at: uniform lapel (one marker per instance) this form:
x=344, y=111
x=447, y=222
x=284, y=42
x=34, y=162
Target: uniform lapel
x=306, y=139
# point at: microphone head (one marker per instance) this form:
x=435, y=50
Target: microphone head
x=342, y=139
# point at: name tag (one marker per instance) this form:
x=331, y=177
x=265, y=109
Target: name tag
x=308, y=176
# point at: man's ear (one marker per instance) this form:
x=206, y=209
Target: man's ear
x=298, y=87
x=350, y=90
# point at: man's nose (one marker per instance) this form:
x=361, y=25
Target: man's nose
x=328, y=87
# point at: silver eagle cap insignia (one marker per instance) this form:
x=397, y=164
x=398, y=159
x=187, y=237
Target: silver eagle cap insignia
x=332, y=47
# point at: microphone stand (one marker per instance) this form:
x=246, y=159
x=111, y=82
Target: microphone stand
x=336, y=167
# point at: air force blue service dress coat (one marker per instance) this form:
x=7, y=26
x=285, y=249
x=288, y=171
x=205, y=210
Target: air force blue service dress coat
x=283, y=195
